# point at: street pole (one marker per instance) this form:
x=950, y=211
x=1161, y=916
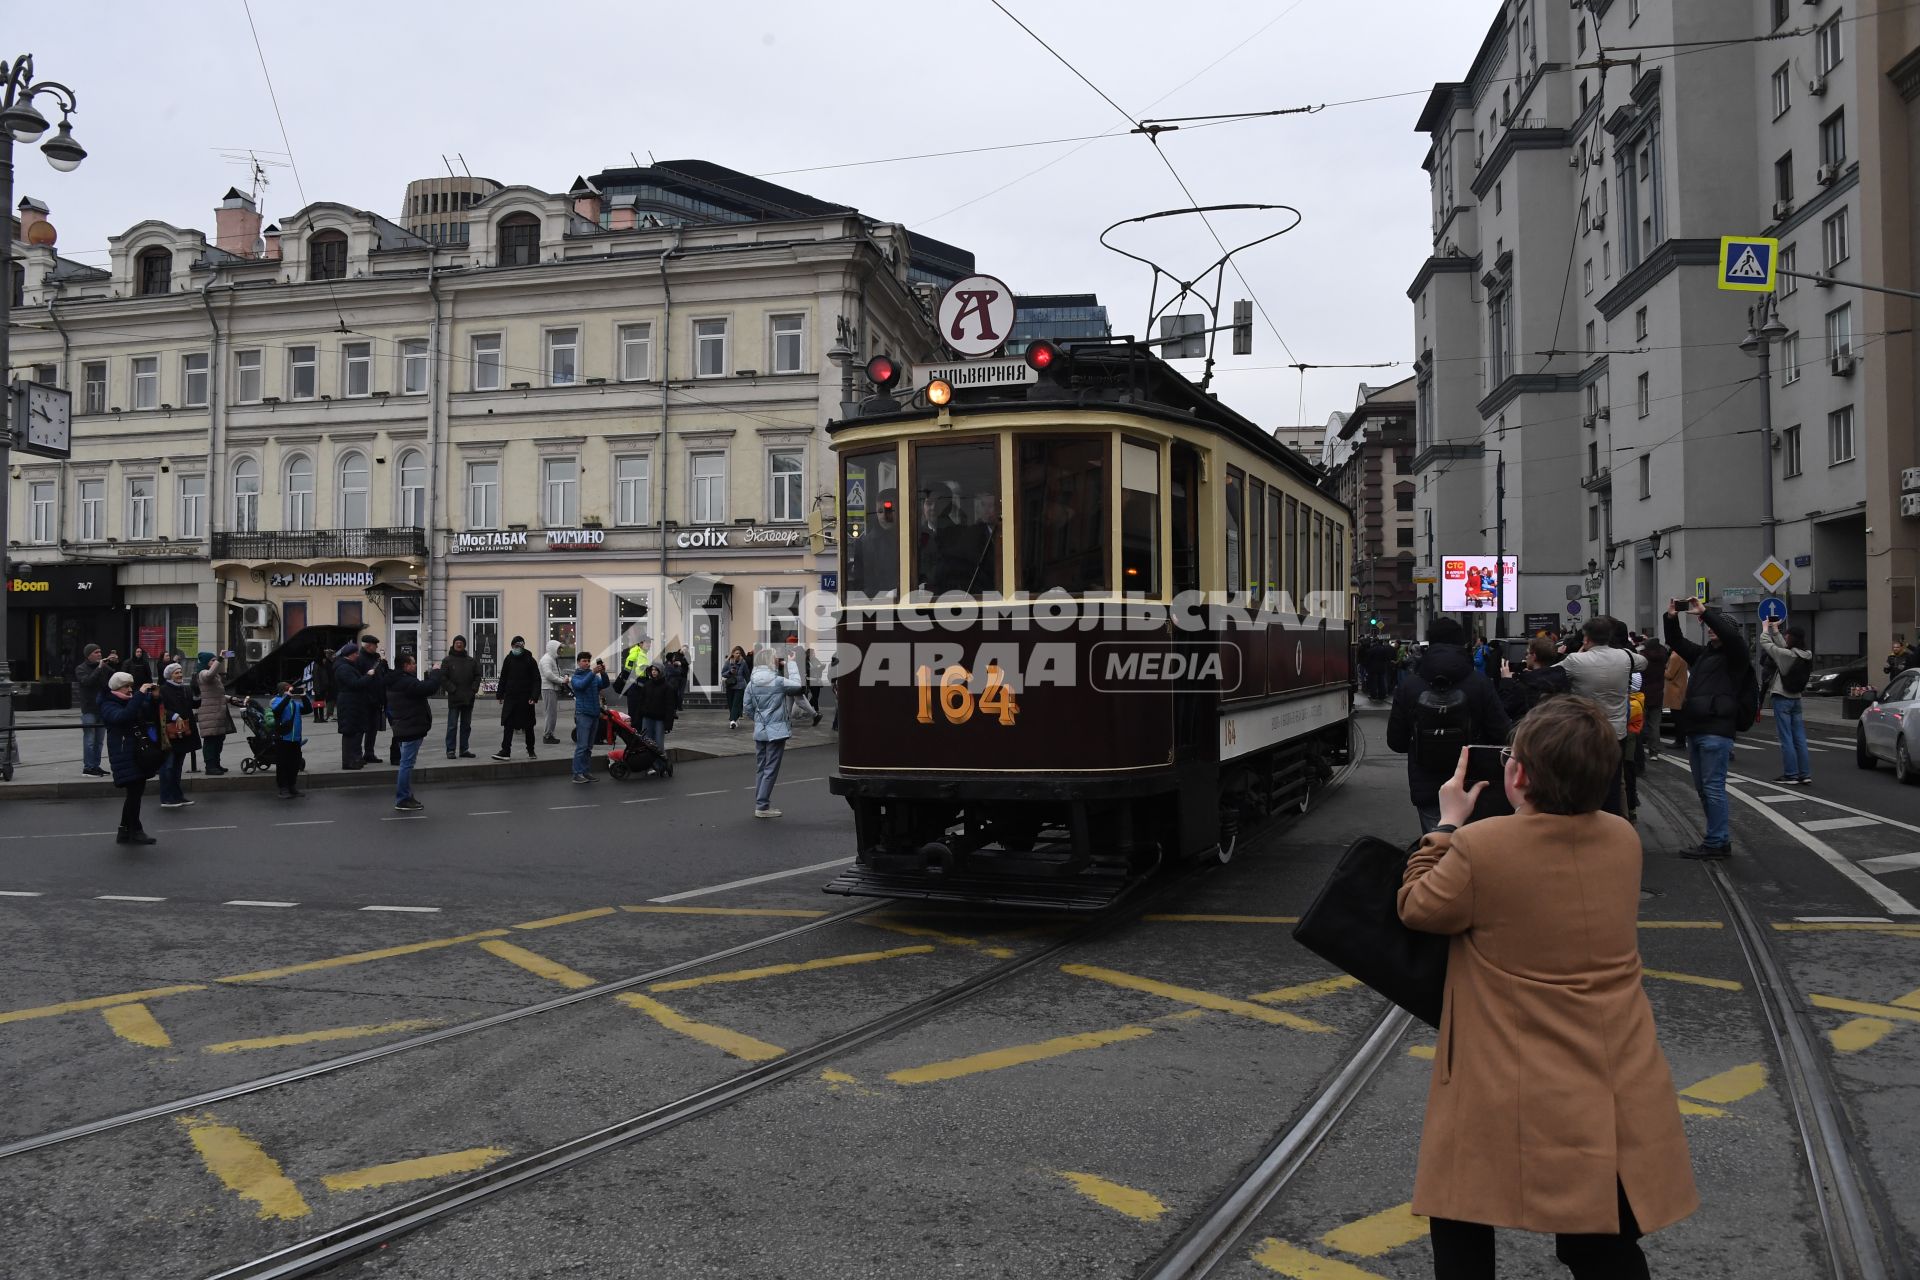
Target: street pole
x=1766, y=448
x=1500, y=546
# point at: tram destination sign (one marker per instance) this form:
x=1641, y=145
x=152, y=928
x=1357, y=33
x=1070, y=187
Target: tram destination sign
x=960, y=374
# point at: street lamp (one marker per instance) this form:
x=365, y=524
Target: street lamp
x=20, y=121
x=1759, y=342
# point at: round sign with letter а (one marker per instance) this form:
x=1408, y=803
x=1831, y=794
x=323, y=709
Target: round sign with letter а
x=976, y=315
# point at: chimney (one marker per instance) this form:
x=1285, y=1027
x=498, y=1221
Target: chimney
x=272, y=242
x=586, y=200
x=33, y=213
x=236, y=224
x=625, y=215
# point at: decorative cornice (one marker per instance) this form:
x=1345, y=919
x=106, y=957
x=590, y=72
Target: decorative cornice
x=1664, y=260
x=1905, y=75
x=1522, y=384
x=1439, y=266
x=1814, y=208
x=1511, y=141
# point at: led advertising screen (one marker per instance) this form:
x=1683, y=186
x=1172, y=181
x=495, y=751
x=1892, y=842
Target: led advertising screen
x=1467, y=584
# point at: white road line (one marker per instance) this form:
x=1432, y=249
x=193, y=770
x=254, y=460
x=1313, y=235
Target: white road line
x=750, y=880
x=125, y=897
x=556, y=808
x=1842, y=920
x=1892, y=862
x=1749, y=746
x=419, y=909
x=68, y=835
x=20, y=893
x=792, y=782
x=1802, y=794
x=249, y=902
x=721, y=792
x=488, y=813
x=226, y=828
x=641, y=800
x=1782, y=798
x=311, y=822
x=405, y=817
x=1839, y=824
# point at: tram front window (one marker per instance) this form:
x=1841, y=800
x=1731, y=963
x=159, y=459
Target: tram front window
x=956, y=518
x=1063, y=528
x=870, y=502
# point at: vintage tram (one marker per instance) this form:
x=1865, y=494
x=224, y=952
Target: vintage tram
x=1088, y=623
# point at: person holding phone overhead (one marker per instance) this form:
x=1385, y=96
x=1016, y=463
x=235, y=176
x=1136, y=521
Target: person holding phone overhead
x=1551, y=1106
x=1721, y=693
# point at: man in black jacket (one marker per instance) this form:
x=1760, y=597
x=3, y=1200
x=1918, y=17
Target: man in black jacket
x=89, y=682
x=1417, y=731
x=411, y=717
x=460, y=674
x=359, y=677
x=1719, y=673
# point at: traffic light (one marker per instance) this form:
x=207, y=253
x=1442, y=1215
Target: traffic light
x=1055, y=367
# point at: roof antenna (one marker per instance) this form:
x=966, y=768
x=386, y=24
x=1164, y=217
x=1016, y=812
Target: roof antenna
x=463, y=164
x=650, y=159
x=449, y=164
x=636, y=159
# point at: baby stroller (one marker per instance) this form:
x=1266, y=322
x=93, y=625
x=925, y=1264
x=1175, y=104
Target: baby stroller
x=636, y=753
x=259, y=738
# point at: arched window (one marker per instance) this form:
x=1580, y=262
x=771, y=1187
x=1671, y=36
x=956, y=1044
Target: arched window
x=413, y=490
x=299, y=493
x=519, y=241
x=327, y=255
x=354, y=478
x=246, y=496
x=154, y=272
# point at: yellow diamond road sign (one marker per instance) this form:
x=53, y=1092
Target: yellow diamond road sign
x=1771, y=573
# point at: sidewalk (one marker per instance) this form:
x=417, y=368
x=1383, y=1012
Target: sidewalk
x=49, y=762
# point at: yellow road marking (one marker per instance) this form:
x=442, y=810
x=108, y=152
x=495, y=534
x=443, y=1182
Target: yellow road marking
x=1223, y=919
x=1693, y=979
x=1863, y=1007
x=1681, y=924
x=570, y=918
x=538, y=965
x=1378, y=1233
x=1017, y=1055
x=1308, y=990
x=317, y=1037
x=951, y=939
x=1858, y=1034
x=360, y=957
x=385, y=1175
x=1911, y=1000
x=1297, y=1264
x=97, y=1002
x=1200, y=999
x=781, y=970
x=837, y=1077
x=136, y=1022
x=1420, y=1051
x=731, y=1042
x=244, y=1168
x=1698, y=1109
x=1730, y=1085
x=1142, y=1206
x=727, y=911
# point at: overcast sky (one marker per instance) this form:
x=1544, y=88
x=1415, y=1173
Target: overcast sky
x=373, y=95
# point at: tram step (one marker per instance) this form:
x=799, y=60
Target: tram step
x=1078, y=894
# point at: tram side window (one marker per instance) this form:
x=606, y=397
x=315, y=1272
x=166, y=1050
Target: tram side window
x=1139, y=519
x=1316, y=568
x=870, y=509
x=1340, y=571
x=1236, y=571
x=1292, y=582
x=1256, y=539
x=1063, y=515
x=956, y=518
x=1274, y=509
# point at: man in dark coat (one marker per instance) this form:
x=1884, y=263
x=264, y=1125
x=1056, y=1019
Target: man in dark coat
x=460, y=677
x=411, y=716
x=1447, y=663
x=519, y=693
x=1654, y=687
x=89, y=682
x=1542, y=678
x=1718, y=672
x=359, y=677
x=140, y=667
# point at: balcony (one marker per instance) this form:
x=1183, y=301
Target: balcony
x=322, y=544
x=1598, y=481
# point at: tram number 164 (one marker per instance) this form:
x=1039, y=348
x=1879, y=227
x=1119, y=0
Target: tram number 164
x=957, y=701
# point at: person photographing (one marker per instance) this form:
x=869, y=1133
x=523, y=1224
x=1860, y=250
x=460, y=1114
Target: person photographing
x=1785, y=666
x=1721, y=702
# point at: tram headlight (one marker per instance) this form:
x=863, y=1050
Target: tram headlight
x=939, y=393
x=1043, y=356
x=883, y=372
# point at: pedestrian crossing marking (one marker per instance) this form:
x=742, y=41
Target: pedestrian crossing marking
x=1142, y=1206
x=1893, y=862
x=1839, y=824
x=244, y=1168
x=1378, y=1233
x=1731, y=1085
x=136, y=1023
x=1859, y=1033
x=1297, y=1264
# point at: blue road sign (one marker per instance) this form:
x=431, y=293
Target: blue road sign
x=1573, y=607
x=1748, y=263
x=829, y=582
x=1773, y=609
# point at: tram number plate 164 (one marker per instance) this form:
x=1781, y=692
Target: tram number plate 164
x=956, y=699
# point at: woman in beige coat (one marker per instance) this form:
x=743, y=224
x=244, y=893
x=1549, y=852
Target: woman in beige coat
x=1551, y=1107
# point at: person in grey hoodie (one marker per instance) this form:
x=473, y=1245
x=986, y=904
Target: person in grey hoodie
x=766, y=702
x=553, y=683
x=460, y=677
x=1785, y=665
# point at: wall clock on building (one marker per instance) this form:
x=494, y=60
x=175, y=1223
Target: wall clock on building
x=43, y=418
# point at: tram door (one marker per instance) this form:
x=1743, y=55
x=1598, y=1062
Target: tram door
x=1185, y=519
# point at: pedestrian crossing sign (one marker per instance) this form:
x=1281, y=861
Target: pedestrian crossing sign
x=1747, y=263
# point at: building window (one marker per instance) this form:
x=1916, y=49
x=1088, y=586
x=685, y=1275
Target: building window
x=1499, y=331
x=1833, y=141
x=710, y=348
x=93, y=510
x=1403, y=501
x=1499, y=201
x=487, y=362
x=1403, y=539
x=246, y=496
x=563, y=621
x=1593, y=524
x=1790, y=452
x=560, y=492
x=483, y=495
x=630, y=614
x=483, y=632
x=248, y=385
x=193, y=381
x=563, y=357
x=413, y=367
x=1785, y=268
x=1640, y=324
x=1646, y=475
x=519, y=241
x=1840, y=333
x=789, y=341
x=1783, y=178
x=632, y=485
x=707, y=481
x=140, y=512
x=1782, y=87
x=1587, y=275
x=193, y=506
x=413, y=489
x=1833, y=240
x=1643, y=394
x=636, y=352
x=155, y=272
x=40, y=512
x=146, y=382
x=327, y=255
x=298, y=492
x=355, y=479
x=1642, y=185
x=356, y=369
x=1840, y=436
x=93, y=387
x=1826, y=45
x=303, y=373
x=786, y=470
x=1790, y=359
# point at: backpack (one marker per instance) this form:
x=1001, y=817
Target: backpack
x=276, y=727
x=1795, y=677
x=1636, y=712
x=1440, y=726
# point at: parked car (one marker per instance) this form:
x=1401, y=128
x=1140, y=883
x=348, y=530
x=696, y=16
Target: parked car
x=1833, y=682
x=1887, y=728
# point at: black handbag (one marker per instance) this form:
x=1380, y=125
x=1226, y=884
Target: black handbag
x=1354, y=923
x=148, y=755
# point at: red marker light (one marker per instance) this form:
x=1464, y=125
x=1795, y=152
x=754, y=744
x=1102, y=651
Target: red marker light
x=882, y=372
x=1042, y=355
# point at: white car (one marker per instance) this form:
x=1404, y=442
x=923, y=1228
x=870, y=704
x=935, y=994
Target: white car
x=1888, y=730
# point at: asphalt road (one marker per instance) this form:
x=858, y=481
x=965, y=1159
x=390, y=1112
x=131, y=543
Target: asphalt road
x=1067, y=1122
